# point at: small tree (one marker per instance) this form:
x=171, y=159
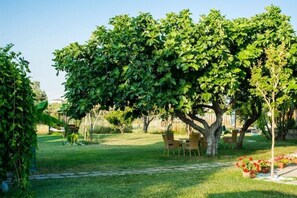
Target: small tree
x=272, y=82
x=120, y=119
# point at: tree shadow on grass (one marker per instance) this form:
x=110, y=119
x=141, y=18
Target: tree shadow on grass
x=168, y=184
x=252, y=145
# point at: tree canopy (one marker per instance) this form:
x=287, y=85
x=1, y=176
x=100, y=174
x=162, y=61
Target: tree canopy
x=173, y=63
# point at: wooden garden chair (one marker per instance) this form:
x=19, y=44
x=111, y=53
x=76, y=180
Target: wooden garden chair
x=170, y=143
x=192, y=144
x=231, y=140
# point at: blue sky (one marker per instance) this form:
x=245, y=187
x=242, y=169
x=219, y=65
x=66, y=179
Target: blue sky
x=38, y=27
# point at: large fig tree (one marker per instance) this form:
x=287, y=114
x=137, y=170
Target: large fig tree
x=173, y=63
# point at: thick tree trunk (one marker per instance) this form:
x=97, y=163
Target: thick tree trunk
x=212, y=143
x=210, y=132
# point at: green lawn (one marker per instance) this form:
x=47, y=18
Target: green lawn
x=138, y=151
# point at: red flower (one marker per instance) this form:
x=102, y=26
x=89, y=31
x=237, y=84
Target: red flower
x=247, y=164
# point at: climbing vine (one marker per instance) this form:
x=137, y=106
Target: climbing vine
x=17, y=120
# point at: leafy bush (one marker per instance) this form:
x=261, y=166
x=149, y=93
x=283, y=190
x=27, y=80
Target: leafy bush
x=17, y=123
x=72, y=138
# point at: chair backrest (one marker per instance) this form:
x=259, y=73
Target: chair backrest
x=165, y=138
x=170, y=136
x=194, y=140
x=234, y=135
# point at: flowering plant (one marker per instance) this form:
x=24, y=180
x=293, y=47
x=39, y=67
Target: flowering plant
x=264, y=163
x=248, y=164
x=282, y=159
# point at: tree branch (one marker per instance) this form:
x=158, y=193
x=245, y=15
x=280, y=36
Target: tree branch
x=194, y=117
x=190, y=122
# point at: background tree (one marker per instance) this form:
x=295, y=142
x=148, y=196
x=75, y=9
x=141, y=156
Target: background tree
x=120, y=119
x=40, y=95
x=90, y=121
x=17, y=123
x=147, y=119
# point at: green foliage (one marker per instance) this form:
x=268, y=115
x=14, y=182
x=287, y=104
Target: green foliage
x=17, y=123
x=272, y=78
x=171, y=64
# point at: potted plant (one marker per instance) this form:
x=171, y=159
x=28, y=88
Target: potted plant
x=293, y=160
x=282, y=161
x=249, y=167
x=264, y=166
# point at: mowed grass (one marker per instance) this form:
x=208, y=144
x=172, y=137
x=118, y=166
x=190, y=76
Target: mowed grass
x=116, y=152
x=135, y=151
x=226, y=182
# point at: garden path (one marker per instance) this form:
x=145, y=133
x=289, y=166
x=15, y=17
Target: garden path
x=201, y=166
x=287, y=175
